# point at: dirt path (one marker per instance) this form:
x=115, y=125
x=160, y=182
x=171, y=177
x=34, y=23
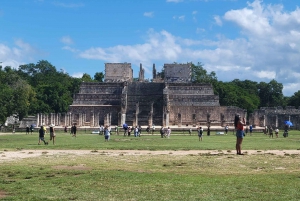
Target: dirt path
x=15, y=155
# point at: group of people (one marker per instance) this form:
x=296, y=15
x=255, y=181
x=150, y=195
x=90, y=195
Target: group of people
x=165, y=132
x=43, y=131
x=137, y=130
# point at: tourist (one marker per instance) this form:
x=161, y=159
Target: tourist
x=246, y=130
x=239, y=126
x=52, y=133
x=168, y=132
x=31, y=129
x=42, y=136
x=226, y=129
x=106, y=134
x=208, y=130
x=286, y=131
x=162, y=132
x=101, y=130
x=276, y=132
x=136, y=131
x=140, y=131
x=251, y=129
x=129, y=131
x=74, y=128
x=190, y=131
x=148, y=129
x=200, y=132
x=27, y=129
x=66, y=129
x=270, y=132
x=125, y=127
x=117, y=130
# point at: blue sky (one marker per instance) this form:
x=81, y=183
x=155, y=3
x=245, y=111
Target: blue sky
x=238, y=39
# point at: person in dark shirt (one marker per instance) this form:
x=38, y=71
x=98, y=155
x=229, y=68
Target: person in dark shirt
x=42, y=136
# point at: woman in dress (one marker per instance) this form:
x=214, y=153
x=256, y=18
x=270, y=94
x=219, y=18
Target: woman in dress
x=239, y=124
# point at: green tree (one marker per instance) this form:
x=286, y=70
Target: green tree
x=270, y=94
x=99, y=76
x=294, y=100
x=86, y=78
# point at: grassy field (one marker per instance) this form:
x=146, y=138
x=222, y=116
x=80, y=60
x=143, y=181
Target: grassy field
x=151, y=177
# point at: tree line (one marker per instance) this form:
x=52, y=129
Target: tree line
x=41, y=88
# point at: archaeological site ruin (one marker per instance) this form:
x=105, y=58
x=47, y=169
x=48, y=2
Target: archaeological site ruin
x=169, y=101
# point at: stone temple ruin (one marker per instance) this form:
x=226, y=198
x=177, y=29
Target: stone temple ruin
x=170, y=101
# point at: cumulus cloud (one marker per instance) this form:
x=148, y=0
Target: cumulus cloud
x=148, y=14
x=268, y=47
x=16, y=55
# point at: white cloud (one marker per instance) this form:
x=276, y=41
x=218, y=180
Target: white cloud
x=148, y=14
x=268, y=48
x=218, y=20
x=67, y=40
x=16, y=55
x=194, y=12
x=77, y=75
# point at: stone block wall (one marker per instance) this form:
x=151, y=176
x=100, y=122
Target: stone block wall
x=177, y=73
x=118, y=72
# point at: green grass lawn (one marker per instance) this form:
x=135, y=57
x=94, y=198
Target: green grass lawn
x=258, y=141
x=151, y=177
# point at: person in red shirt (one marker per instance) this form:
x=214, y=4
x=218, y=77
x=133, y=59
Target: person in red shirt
x=239, y=124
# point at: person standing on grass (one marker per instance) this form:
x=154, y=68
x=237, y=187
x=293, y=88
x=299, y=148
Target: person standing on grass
x=226, y=129
x=276, y=132
x=168, y=132
x=250, y=129
x=106, y=134
x=27, y=130
x=52, y=133
x=42, y=136
x=74, y=130
x=239, y=124
x=162, y=132
x=129, y=131
x=136, y=131
x=200, y=133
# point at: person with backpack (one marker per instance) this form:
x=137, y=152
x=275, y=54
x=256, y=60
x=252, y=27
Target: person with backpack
x=42, y=136
x=200, y=133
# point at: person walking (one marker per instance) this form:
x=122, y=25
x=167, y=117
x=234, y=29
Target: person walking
x=239, y=124
x=42, y=136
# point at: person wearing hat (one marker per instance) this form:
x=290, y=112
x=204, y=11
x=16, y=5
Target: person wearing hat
x=52, y=133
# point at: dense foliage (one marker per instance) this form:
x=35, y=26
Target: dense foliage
x=37, y=88
x=40, y=88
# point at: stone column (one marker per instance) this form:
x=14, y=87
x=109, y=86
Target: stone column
x=123, y=119
x=37, y=119
x=167, y=118
x=92, y=120
x=276, y=121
